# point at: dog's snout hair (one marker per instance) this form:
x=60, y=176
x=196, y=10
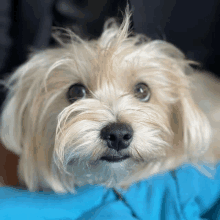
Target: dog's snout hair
x=109, y=111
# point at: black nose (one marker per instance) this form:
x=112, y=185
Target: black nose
x=117, y=135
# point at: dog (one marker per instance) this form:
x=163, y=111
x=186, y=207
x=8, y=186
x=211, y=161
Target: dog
x=110, y=111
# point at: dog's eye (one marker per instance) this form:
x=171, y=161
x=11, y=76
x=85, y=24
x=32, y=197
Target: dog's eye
x=75, y=92
x=142, y=92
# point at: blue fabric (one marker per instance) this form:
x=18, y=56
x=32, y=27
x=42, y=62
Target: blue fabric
x=183, y=194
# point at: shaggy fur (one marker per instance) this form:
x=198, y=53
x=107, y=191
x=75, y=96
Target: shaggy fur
x=59, y=142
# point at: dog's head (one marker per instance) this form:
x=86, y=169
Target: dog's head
x=102, y=111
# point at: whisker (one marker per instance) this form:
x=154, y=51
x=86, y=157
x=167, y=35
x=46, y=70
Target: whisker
x=139, y=154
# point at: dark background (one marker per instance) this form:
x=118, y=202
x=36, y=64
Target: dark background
x=193, y=26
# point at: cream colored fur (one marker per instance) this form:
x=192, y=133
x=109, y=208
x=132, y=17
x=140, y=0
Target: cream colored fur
x=59, y=143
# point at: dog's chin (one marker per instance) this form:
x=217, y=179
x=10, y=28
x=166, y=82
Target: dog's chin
x=108, y=169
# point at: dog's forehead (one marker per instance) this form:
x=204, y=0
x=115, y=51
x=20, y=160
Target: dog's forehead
x=106, y=69
x=117, y=70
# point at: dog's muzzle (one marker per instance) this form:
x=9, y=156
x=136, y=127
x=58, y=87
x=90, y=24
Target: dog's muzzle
x=117, y=136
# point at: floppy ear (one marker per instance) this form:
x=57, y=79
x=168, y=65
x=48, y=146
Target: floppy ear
x=191, y=126
x=18, y=113
x=23, y=123
x=14, y=110
x=11, y=120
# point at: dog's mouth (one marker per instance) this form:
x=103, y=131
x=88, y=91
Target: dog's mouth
x=113, y=159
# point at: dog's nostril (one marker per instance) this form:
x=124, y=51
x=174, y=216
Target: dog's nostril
x=127, y=137
x=118, y=136
x=112, y=137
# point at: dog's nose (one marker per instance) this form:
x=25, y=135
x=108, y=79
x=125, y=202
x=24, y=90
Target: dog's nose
x=117, y=135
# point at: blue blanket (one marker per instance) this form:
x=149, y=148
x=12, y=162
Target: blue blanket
x=181, y=194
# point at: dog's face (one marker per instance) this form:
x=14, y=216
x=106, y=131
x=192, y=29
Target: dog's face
x=101, y=112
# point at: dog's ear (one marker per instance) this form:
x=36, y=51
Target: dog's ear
x=11, y=129
x=17, y=111
x=24, y=119
x=16, y=121
x=190, y=126
x=14, y=108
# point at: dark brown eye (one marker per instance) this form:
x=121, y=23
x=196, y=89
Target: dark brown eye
x=76, y=92
x=142, y=92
